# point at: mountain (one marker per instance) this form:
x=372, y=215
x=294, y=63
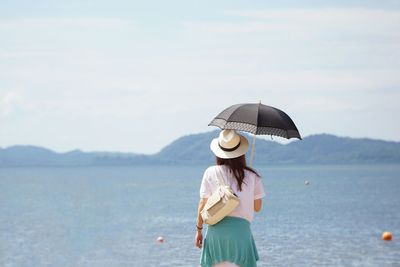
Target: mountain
x=27, y=155
x=319, y=149
x=325, y=148
x=191, y=148
x=194, y=149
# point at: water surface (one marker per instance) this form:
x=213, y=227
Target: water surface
x=111, y=216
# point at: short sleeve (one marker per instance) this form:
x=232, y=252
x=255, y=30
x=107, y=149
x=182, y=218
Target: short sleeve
x=205, y=191
x=258, y=188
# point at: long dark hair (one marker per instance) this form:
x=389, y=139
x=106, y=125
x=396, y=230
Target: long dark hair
x=237, y=167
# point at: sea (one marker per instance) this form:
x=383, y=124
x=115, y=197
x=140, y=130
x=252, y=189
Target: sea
x=313, y=215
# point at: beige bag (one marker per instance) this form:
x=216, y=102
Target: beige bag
x=222, y=202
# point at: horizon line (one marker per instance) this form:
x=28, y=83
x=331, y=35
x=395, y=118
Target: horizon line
x=287, y=141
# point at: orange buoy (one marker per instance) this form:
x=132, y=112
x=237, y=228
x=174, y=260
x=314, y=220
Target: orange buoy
x=387, y=236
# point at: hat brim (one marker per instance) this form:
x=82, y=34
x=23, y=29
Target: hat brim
x=241, y=150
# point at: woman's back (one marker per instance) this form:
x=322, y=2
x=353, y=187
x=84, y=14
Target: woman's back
x=252, y=188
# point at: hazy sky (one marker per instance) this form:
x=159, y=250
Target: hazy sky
x=135, y=75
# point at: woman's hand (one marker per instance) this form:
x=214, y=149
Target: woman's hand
x=199, y=239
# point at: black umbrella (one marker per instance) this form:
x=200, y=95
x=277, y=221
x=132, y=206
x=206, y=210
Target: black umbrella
x=257, y=119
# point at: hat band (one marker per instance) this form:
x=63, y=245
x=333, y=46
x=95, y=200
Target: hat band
x=229, y=149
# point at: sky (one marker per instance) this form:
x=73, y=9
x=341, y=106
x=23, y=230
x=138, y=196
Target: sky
x=133, y=76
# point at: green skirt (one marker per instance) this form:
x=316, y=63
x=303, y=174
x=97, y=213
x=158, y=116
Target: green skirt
x=229, y=240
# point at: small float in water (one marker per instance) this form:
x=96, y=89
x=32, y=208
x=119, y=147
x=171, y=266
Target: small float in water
x=387, y=236
x=160, y=239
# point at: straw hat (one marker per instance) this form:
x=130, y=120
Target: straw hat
x=229, y=145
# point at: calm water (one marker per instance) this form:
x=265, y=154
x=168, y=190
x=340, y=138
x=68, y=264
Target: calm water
x=111, y=216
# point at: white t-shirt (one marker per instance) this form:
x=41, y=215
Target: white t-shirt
x=252, y=189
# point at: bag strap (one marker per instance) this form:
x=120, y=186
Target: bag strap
x=220, y=176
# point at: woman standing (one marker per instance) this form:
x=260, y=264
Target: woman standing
x=230, y=242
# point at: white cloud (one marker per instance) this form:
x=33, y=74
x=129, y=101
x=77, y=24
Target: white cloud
x=11, y=54
x=104, y=88
x=55, y=37
x=10, y=100
x=60, y=23
x=236, y=27
x=342, y=16
x=305, y=23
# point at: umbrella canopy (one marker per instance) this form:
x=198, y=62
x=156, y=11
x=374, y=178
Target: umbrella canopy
x=257, y=119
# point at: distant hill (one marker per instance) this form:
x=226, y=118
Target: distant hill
x=194, y=149
x=15, y=156
x=325, y=148
x=320, y=149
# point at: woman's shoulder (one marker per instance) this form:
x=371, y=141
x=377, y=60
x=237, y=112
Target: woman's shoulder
x=212, y=169
x=252, y=175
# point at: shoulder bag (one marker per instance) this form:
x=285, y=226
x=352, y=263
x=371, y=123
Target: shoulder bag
x=222, y=202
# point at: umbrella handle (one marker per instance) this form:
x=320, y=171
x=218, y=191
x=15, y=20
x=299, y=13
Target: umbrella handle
x=252, y=150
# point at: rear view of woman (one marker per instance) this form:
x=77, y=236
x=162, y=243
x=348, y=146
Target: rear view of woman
x=230, y=242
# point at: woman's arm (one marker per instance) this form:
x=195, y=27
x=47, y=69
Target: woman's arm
x=257, y=205
x=199, y=223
